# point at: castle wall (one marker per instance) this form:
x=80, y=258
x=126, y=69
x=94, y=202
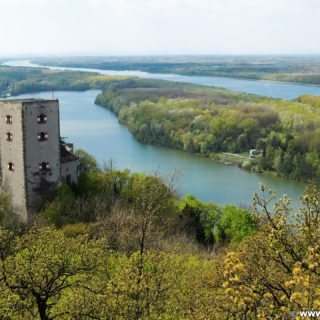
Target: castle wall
x=41, y=184
x=69, y=171
x=12, y=151
x=33, y=160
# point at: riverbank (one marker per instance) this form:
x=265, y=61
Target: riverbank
x=297, y=70
x=263, y=88
x=231, y=158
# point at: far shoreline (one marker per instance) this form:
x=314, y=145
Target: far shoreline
x=34, y=64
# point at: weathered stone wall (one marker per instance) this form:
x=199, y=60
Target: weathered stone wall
x=12, y=151
x=69, y=168
x=41, y=184
x=38, y=169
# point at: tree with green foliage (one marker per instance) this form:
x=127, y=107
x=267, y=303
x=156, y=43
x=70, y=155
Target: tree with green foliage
x=40, y=269
x=237, y=224
x=275, y=274
x=8, y=217
x=86, y=162
x=203, y=218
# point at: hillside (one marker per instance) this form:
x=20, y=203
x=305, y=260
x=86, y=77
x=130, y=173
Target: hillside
x=119, y=245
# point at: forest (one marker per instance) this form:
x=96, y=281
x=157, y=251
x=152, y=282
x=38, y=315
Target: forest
x=298, y=69
x=212, y=121
x=19, y=80
x=121, y=245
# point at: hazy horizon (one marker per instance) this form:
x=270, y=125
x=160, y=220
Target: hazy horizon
x=159, y=28
x=155, y=55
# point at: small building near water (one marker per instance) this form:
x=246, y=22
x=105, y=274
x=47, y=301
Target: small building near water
x=253, y=153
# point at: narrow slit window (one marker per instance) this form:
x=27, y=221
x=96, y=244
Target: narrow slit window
x=9, y=119
x=42, y=118
x=42, y=136
x=44, y=166
x=11, y=166
x=9, y=136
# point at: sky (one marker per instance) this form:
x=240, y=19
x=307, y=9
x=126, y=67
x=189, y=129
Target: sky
x=159, y=27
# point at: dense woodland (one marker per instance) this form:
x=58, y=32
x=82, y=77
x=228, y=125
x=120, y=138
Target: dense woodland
x=19, y=80
x=120, y=245
x=301, y=69
x=210, y=121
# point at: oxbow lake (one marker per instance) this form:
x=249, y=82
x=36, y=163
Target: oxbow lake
x=97, y=130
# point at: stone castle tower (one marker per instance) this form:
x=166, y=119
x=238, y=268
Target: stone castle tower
x=34, y=160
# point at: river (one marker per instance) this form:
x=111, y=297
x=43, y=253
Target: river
x=265, y=88
x=97, y=130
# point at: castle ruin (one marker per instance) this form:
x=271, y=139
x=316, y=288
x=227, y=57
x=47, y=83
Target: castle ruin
x=34, y=160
